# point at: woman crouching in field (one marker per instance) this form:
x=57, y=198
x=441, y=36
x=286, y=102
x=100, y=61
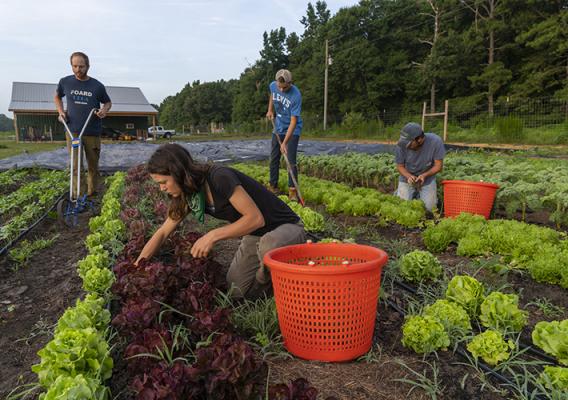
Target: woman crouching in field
x=262, y=220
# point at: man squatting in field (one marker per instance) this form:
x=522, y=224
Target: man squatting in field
x=83, y=93
x=262, y=220
x=419, y=157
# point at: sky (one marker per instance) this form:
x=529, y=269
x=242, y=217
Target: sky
x=158, y=46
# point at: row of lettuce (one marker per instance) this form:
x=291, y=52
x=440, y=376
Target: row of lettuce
x=77, y=361
x=541, y=251
x=448, y=321
x=340, y=198
x=21, y=207
x=12, y=177
x=525, y=184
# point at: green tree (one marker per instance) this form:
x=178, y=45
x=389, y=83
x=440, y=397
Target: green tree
x=490, y=16
x=545, y=70
x=6, y=124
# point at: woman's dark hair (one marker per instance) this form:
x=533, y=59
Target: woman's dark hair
x=174, y=160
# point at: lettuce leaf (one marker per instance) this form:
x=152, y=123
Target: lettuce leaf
x=491, y=347
x=552, y=337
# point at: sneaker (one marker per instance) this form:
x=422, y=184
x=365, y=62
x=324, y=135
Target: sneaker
x=293, y=195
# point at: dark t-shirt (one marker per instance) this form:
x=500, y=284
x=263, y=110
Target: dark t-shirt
x=421, y=160
x=82, y=97
x=223, y=181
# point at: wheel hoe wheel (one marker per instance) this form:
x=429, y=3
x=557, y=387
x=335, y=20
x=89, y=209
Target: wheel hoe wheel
x=63, y=212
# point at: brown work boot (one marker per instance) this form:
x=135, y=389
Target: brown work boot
x=273, y=189
x=293, y=195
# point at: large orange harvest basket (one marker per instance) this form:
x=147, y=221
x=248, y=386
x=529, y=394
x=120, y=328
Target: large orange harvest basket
x=326, y=298
x=470, y=197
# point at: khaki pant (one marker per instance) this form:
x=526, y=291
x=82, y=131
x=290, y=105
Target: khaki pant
x=247, y=274
x=92, y=148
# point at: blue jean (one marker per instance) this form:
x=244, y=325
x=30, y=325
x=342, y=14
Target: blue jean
x=275, y=154
x=427, y=193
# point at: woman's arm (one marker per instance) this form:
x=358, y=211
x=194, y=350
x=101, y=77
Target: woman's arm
x=157, y=239
x=250, y=221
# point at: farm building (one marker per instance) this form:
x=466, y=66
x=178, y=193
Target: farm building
x=35, y=115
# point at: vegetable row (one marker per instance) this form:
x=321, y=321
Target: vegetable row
x=30, y=201
x=542, y=251
x=448, y=321
x=340, y=198
x=525, y=184
x=76, y=362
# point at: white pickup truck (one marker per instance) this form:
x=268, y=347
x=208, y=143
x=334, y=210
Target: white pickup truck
x=159, y=131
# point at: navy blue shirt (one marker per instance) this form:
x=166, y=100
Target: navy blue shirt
x=82, y=97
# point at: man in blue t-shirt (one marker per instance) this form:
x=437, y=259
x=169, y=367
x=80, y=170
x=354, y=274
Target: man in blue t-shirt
x=83, y=93
x=284, y=103
x=419, y=157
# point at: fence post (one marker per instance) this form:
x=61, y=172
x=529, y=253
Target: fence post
x=445, y=121
x=423, y=115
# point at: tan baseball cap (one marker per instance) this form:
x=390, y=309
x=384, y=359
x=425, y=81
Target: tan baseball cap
x=285, y=75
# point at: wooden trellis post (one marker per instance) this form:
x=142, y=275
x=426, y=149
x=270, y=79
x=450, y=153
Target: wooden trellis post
x=445, y=114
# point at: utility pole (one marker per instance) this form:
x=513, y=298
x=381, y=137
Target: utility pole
x=325, y=85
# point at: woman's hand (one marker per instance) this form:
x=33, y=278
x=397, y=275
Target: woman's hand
x=203, y=245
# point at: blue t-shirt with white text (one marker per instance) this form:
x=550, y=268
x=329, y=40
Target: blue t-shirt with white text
x=82, y=97
x=286, y=104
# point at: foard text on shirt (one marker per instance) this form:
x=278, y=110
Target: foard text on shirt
x=81, y=93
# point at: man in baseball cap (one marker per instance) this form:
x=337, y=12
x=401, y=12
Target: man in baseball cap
x=284, y=108
x=419, y=157
x=409, y=133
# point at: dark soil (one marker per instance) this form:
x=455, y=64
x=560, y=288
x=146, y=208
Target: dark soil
x=379, y=378
x=33, y=297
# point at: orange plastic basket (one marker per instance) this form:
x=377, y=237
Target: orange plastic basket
x=470, y=197
x=326, y=298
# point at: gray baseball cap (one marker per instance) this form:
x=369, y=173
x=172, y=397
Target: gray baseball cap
x=408, y=133
x=285, y=75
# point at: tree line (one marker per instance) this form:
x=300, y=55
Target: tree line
x=6, y=124
x=395, y=54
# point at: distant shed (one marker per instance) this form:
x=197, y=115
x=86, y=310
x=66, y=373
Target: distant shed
x=35, y=116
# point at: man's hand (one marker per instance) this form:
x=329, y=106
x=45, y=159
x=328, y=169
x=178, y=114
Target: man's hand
x=284, y=148
x=411, y=179
x=420, y=179
x=101, y=113
x=270, y=114
x=63, y=116
x=203, y=245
